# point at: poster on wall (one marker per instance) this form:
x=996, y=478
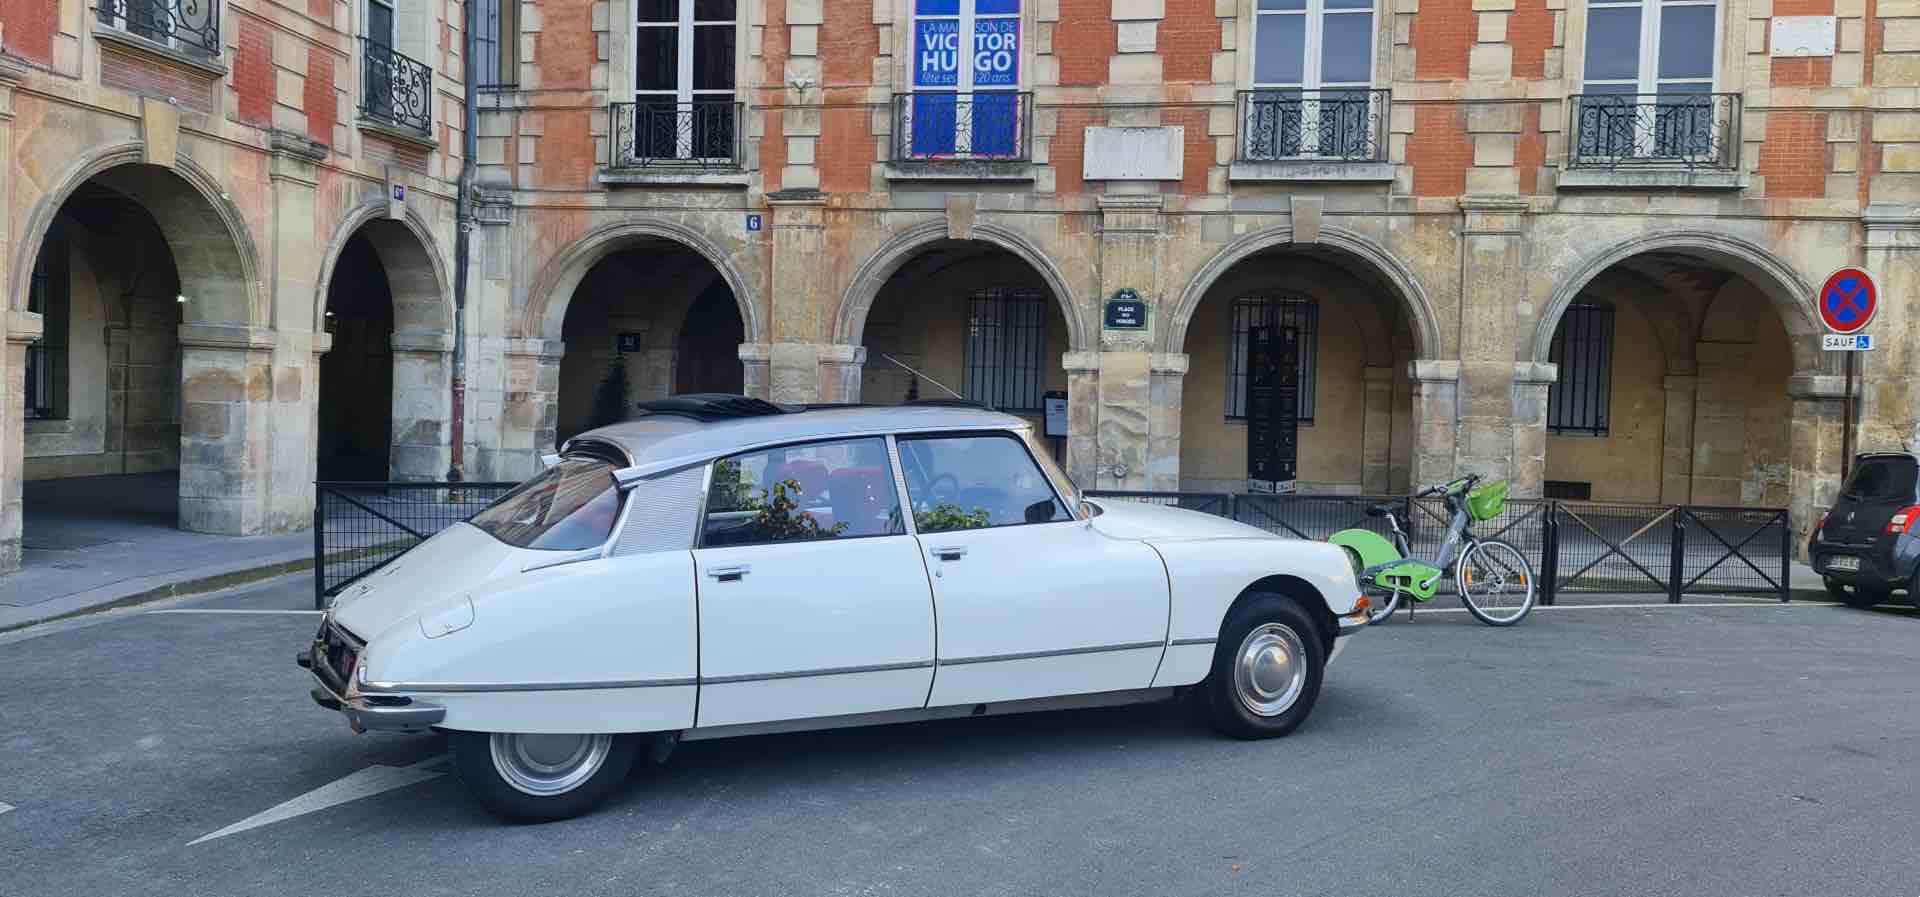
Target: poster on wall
x=966, y=102
x=1273, y=409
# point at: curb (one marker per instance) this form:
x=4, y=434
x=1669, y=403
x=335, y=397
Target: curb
x=226, y=579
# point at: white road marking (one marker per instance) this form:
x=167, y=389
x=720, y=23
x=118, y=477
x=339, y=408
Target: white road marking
x=365, y=783
x=6, y=808
x=1399, y=611
x=234, y=610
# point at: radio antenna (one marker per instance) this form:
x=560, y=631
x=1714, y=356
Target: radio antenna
x=910, y=370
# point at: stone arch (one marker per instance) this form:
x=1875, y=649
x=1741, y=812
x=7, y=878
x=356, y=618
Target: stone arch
x=546, y=307
x=1673, y=325
x=850, y=321
x=1412, y=296
x=1784, y=288
x=417, y=272
x=212, y=247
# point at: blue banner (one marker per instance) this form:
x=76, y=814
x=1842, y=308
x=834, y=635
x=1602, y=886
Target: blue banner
x=936, y=53
x=996, y=52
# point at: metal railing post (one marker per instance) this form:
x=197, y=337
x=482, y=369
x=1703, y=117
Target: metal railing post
x=1550, y=554
x=1786, y=556
x=1676, y=565
x=319, y=549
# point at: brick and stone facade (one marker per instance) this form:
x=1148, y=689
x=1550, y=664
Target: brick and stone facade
x=1441, y=265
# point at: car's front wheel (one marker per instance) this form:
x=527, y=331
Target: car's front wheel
x=1266, y=669
x=540, y=778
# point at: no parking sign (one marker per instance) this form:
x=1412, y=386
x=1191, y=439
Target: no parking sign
x=1848, y=300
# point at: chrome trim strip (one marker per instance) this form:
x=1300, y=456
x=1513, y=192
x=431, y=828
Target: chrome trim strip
x=1191, y=641
x=465, y=687
x=1062, y=652
x=627, y=476
x=827, y=671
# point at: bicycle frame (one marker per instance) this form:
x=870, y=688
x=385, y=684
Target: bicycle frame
x=1457, y=539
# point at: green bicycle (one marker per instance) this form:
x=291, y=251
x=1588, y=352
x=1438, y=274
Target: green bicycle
x=1493, y=578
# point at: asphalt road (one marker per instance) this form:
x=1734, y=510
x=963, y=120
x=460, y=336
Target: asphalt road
x=1738, y=750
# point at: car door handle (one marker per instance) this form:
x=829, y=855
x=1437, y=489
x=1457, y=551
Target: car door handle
x=950, y=553
x=731, y=573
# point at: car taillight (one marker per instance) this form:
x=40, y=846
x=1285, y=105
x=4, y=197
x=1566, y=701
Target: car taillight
x=1904, y=519
x=1822, y=525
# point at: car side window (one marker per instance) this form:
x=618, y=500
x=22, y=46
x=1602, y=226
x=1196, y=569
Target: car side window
x=822, y=490
x=974, y=482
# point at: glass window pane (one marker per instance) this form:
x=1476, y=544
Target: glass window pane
x=1349, y=4
x=380, y=24
x=713, y=10
x=1686, y=42
x=1280, y=45
x=656, y=58
x=1613, y=44
x=997, y=7
x=1285, y=4
x=828, y=490
x=1346, y=49
x=936, y=7
x=713, y=57
x=657, y=10
x=973, y=482
x=568, y=507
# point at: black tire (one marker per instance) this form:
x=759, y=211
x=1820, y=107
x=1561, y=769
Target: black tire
x=1229, y=700
x=473, y=759
x=1857, y=596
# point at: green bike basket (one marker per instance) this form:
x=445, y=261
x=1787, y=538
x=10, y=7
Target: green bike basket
x=1487, y=501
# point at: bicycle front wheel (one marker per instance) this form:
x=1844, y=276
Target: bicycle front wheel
x=1496, y=583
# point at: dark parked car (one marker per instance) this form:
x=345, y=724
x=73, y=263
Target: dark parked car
x=1868, y=545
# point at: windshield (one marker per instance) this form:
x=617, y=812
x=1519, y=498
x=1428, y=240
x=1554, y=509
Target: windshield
x=1882, y=479
x=568, y=507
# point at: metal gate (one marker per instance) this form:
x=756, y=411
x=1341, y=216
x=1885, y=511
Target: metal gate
x=359, y=527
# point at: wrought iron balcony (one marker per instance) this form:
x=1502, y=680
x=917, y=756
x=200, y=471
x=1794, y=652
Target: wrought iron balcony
x=190, y=26
x=1675, y=130
x=983, y=126
x=398, y=90
x=701, y=133
x=1340, y=124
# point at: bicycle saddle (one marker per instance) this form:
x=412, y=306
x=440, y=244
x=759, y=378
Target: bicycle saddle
x=1380, y=510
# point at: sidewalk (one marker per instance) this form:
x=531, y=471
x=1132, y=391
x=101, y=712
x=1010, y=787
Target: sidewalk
x=98, y=542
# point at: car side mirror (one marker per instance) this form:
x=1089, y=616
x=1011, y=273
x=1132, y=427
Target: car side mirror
x=1040, y=511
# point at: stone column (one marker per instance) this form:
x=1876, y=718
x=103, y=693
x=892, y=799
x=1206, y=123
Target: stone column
x=799, y=280
x=226, y=433
x=1531, y=381
x=531, y=409
x=754, y=361
x=1083, y=416
x=1376, y=430
x=1814, y=482
x=1167, y=375
x=1122, y=433
x=1676, y=440
x=1130, y=256
x=1889, y=408
x=298, y=245
x=22, y=328
x=840, y=368
x=319, y=345
x=422, y=406
x=1436, y=403
x=1720, y=422
x=1493, y=273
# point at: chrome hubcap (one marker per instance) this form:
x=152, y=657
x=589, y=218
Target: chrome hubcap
x=546, y=765
x=1270, y=670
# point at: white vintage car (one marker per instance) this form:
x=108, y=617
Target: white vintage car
x=722, y=566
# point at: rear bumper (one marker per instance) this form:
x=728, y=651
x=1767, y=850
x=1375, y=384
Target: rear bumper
x=1877, y=566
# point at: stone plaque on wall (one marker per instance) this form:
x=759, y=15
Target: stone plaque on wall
x=1802, y=35
x=1134, y=154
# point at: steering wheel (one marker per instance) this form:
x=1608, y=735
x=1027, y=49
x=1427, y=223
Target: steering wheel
x=937, y=494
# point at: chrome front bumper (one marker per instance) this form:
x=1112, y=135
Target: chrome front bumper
x=382, y=713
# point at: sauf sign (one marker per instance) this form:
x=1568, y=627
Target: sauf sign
x=966, y=73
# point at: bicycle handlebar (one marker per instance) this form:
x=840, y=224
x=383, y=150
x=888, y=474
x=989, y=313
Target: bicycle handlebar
x=1445, y=488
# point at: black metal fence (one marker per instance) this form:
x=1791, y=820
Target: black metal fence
x=1685, y=130
x=701, y=133
x=398, y=89
x=191, y=26
x=1337, y=124
x=359, y=527
x=1575, y=547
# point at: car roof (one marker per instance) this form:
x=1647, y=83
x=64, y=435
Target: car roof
x=669, y=436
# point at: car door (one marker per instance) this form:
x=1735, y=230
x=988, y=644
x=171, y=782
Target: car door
x=1031, y=600
x=813, y=598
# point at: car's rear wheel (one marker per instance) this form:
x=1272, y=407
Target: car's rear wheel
x=1266, y=669
x=540, y=778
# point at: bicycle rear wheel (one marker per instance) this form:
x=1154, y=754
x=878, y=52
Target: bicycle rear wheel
x=1496, y=583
